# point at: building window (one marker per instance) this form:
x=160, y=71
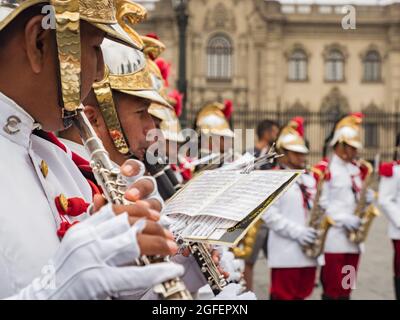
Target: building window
x=372, y=66
x=219, y=58
x=334, y=66
x=298, y=66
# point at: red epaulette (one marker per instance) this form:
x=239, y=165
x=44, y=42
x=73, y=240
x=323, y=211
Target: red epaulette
x=386, y=168
x=323, y=167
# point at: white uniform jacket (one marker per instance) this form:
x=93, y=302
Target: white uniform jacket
x=338, y=198
x=29, y=218
x=389, y=201
x=286, y=219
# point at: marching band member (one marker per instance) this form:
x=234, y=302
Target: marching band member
x=267, y=133
x=215, y=133
x=167, y=121
x=339, y=198
x=118, y=110
x=292, y=272
x=34, y=96
x=389, y=196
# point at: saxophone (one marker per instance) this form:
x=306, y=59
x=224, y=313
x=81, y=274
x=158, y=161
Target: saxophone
x=108, y=176
x=246, y=245
x=366, y=213
x=318, y=220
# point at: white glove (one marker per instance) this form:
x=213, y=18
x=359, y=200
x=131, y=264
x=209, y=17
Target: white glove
x=142, y=170
x=88, y=263
x=307, y=236
x=348, y=221
x=229, y=265
x=232, y=292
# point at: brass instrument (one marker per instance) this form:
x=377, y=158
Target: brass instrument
x=318, y=220
x=366, y=213
x=108, y=176
x=245, y=247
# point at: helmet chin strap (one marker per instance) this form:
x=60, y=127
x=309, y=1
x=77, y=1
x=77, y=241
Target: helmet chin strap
x=67, y=16
x=105, y=100
x=66, y=115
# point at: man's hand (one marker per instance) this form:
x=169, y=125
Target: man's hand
x=215, y=256
x=154, y=240
x=94, y=262
x=140, y=187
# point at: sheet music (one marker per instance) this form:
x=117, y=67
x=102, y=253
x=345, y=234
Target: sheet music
x=202, y=227
x=218, y=200
x=200, y=191
x=237, y=201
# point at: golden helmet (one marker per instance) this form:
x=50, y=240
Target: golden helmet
x=348, y=130
x=292, y=137
x=127, y=72
x=67, y=16
x=101, y=14
x=213, y=119
x=159, y=69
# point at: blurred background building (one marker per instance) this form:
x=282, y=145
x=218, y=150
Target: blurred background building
x=278, y=59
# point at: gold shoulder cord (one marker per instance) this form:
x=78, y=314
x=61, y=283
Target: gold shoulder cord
x=67, y=18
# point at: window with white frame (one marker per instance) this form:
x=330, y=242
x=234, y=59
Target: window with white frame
x=219, y=58
x=298, y=65
x=372, y=66
x=334, y=66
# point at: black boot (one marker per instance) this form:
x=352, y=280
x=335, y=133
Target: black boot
x=397, y=288
x=325, y=297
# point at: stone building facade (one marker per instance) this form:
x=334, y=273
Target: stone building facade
x=276, y=60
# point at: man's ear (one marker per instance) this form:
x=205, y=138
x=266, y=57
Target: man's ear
x=92, y=114
x=38, y=43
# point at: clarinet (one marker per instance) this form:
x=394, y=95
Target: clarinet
x=172, y=177
x=108, y=177
x=158, y=170
x=199, y=251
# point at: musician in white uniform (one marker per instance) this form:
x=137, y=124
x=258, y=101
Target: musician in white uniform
x=389, y=201
x=118, y=110
x=292, y=272
x=215, y=133
x=43, y=194
x=339, y=199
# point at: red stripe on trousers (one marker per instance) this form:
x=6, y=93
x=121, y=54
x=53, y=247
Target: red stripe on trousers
x=396, y=244
x=292, y=283
x=333, y=273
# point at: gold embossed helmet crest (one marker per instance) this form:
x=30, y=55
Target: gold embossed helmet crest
x=152, y=48
x=212, y=121
x=130, y=14
x=126, y=72
x=68, y=14
x=348, y=131
x=292, y=137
